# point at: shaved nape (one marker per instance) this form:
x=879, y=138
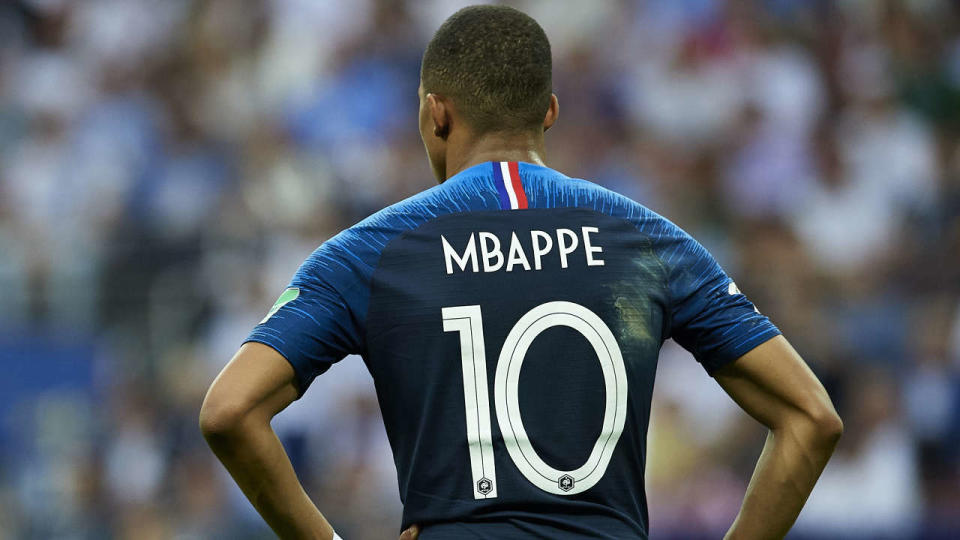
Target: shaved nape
x=495, y=63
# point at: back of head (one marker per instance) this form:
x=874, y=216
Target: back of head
x=494, y=63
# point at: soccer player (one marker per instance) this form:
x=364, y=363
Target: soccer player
x=511, y=318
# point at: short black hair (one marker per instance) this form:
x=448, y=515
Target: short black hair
x=494, y=62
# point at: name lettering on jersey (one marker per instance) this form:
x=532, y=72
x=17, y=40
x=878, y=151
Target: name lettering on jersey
x=485, y=249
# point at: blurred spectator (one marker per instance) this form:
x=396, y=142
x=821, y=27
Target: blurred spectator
x=165, y=166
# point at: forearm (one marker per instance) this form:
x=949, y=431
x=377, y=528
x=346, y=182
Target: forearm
x=253, y=455
x=792, y=460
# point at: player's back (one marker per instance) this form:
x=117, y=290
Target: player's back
x=511, y=319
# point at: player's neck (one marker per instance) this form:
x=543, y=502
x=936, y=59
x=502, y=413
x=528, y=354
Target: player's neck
x=527, y=147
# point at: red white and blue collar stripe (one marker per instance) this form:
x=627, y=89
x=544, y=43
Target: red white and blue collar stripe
x=506, y=176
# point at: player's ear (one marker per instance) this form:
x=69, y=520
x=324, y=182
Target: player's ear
x=440, y=114
x=553, y=111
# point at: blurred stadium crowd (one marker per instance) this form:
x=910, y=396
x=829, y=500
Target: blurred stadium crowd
x=165, y=166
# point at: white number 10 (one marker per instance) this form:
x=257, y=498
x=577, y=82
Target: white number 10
x=468, y=321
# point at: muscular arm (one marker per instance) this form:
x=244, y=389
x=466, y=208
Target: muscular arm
x=774, y=385
x=235, y=419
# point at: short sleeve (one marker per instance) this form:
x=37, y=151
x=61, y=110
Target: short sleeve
x=709, y=316
x=312, y=324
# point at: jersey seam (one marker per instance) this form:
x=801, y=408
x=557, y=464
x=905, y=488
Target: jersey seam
x=636, y=225
x=376, y=263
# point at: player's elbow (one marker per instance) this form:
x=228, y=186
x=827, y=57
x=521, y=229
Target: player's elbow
x=824, y=425
x=219, y=417
x=829, y=425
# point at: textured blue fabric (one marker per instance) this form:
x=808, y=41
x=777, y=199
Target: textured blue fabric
x=716, y=326
x=379, y=289
x=326, y=322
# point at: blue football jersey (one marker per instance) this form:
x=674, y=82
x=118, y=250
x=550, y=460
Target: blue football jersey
x=511, y=319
